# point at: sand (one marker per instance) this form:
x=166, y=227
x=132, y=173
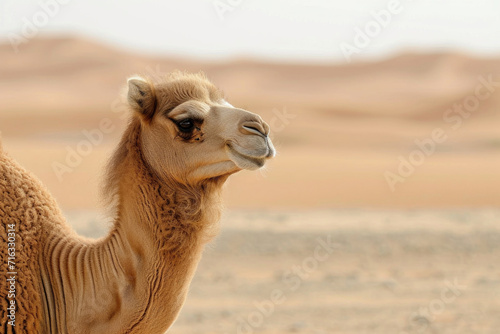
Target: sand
x=377, y=271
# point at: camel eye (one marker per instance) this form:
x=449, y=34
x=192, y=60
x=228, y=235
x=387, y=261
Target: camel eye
x=186, y=125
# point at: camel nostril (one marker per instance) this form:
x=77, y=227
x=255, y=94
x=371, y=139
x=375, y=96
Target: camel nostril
x=255, y=128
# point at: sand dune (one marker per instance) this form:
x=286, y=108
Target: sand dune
x=339, y=128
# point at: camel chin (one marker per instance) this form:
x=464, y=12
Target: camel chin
x=250, y=160
x=244, y=161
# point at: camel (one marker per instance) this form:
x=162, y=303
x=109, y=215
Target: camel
x=163, y=183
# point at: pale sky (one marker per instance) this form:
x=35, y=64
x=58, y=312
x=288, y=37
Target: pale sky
x=281, y=30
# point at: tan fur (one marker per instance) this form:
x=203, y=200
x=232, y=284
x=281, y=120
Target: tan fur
x=165, y=187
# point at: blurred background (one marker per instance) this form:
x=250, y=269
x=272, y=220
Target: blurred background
x=386, y=119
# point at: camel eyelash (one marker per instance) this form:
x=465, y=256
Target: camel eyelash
x=189, y=133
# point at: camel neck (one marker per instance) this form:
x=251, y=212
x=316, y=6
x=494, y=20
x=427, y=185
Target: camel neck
x=160, y=234
x=160, y=230
x=165, y=226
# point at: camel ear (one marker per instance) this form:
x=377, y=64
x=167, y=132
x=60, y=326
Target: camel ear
x=141, y=97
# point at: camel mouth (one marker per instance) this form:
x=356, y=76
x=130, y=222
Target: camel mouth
x=245, y=160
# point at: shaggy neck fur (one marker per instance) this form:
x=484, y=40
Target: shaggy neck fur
x=136, y=279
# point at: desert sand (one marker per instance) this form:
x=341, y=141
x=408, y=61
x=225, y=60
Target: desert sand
x=420, y=257
x=384, y=271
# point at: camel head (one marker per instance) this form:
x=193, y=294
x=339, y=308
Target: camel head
x=189, y=133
